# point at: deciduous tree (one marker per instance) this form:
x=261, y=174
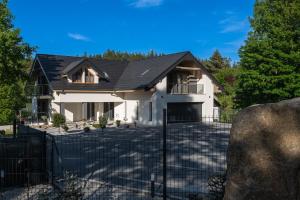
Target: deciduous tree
x=15, y=55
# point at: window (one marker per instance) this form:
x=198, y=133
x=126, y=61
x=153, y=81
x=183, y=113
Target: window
x=89, y=77
x=109, y=110
x=150, y=111
x=137, y=111
x=77, y=77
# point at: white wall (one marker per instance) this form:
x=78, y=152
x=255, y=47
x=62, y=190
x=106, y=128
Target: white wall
x=142, y=99
x=119, y=110
x=161, y=98
x=72, y=111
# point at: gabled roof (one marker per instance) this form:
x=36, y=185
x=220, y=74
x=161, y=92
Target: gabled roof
x=72, y=65
x=139, y=74
x=123, y=75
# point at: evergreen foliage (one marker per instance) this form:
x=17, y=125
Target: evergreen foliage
x=216, y=62
x=118, y=55
x=270, y=59
x=226, y=74
x=102, y=122
x=58, y=120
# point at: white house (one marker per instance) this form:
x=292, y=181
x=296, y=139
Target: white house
x=131, y=91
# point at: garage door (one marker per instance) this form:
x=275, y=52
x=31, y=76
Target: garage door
x=184, y=112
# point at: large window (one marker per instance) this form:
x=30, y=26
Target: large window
x=109, y=110
x=89, y=77
x=150, y=111
x=77, y=77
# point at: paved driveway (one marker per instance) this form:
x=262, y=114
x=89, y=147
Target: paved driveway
x=124, y=159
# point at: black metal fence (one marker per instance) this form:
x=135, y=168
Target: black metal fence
x=196, y=152
x=175, y=161
x=22, y=160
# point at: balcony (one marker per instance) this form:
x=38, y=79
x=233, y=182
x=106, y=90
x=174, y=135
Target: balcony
x=38, y=90
x=186, y=88
x=89, y=79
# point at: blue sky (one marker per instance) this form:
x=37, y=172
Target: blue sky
x=72, y=27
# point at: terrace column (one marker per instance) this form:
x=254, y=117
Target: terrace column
x=62, y=108
x=84, y=110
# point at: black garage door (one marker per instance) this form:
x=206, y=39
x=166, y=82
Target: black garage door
x=184, y=112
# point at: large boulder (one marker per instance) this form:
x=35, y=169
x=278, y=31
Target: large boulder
x=264, y=153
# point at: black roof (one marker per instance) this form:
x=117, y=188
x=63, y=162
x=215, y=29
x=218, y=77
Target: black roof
x=122, y=75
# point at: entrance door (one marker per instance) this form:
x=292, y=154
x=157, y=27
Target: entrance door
x=184, y=112
x=91, y=111
x=42, y=107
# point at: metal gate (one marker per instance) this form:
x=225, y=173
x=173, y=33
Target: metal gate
x=195, y=159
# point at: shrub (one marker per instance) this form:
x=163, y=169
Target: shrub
x=96, y=125
x=2, y=132
x=58, y=120
x=86, y=129
x=102, y=122
x=118, y=122
x=72, y=189
x=25, y=114
x=65, y=127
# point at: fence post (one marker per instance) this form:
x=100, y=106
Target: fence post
x=52, y=160
x=44, y=159
x=15, y=127
x=164, y=154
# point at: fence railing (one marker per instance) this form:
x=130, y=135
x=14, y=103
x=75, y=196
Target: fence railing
x=176, y=161
x=89, y=79
x=186, y=89
x=38, y=90
x=23, y=159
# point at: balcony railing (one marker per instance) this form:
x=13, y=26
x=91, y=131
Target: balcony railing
x=186, y=89
x=89, y=79
x=38, y=90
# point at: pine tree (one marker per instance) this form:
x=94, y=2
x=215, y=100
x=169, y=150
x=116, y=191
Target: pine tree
x=270, y=59
x=216, y=62
x=14, y=59
x=118, y=55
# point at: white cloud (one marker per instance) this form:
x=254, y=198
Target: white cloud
x=146, y=3
x=232, y=23
x=235, y=26
x=77, y=36
x=236, y=43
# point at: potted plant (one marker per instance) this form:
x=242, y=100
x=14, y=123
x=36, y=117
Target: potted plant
x=118, y=123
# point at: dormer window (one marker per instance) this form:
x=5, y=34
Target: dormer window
x=83, y=71
x=77, y=77
x=89, y=77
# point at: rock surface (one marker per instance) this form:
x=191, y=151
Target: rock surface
x=264, y=153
